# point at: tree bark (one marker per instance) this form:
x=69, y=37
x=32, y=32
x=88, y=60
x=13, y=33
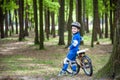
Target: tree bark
x=41, y=46
x=21, y=12
x=36, y=40
x=16, y=18
x=1, y=21
x=111, y=22
x=47, y=23
x=106, y=18
x=61, y=22
x=6, y=23
x=53, y=24
x=26, y=19
x=69, y=22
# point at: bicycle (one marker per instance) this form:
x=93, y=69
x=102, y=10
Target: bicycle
x=84, y=62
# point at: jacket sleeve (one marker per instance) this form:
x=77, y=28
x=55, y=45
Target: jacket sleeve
x=74, y=43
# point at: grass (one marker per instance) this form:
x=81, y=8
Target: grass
x=49, y=64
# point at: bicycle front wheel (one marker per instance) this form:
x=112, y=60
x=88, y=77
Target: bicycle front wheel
x=87, y=65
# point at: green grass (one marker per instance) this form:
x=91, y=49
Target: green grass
x=99, y=60
x=49, y=66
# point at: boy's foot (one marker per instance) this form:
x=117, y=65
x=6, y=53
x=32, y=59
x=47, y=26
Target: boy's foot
x=62, y=73
x=73, y=73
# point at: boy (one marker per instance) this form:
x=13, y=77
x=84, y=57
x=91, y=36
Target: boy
x=73, y=48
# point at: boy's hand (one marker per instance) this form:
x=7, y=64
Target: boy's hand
x=68, y=48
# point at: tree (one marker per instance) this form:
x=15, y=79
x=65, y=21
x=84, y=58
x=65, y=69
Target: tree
x=41, y=45
x=47, y=22
x=36, y=40
x=1, y=20
x=111, y=21
x=79, y=14
x=26, y=18
x=70, y=21
x=61, y=23
x=21, y=12
x=112, y=68
x=96, y=23
x=106, y=18
x=53, y=24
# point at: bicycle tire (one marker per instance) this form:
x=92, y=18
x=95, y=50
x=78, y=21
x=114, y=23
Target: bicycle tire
x=87, y=65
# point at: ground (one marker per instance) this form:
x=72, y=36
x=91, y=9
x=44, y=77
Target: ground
x=49, y=57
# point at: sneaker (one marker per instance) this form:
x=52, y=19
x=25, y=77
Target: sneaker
x=62, y=73
x=73, y=73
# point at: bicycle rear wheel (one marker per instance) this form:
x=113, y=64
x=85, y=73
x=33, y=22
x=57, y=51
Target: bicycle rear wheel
x=87, y=65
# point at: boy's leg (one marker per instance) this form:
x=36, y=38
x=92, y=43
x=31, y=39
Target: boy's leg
x=64, y=68
x=74, y=67
x=65, y=64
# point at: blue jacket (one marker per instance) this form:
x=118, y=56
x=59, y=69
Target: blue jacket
x=74, y=47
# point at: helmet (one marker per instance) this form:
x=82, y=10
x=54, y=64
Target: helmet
x=76, y=24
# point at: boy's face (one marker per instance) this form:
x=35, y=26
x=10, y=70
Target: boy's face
x=74, y=29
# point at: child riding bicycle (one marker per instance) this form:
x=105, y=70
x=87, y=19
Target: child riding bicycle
x=73, y=48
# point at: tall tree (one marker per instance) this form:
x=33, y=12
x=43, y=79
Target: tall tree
x=6, y=23
x=41, y=46
x=79, y=14
x=26, y=18
x=1, y=20
x=21, y=12
x=53, y=24
x=61, y=22
x=111, y=21
x=47, y=22
x=96, y=23
x=112, y=68
x=106, y=18
x=36, y=40
x=16, y=20
x=70, y=21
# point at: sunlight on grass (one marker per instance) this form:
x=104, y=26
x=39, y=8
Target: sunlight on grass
x=99, y=60
x=48, y=62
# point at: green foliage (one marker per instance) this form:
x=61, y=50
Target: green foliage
x=52, y=6
x=89, y=7
x=11, y=5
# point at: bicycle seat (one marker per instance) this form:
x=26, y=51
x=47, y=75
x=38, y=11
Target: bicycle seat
x=82, y=51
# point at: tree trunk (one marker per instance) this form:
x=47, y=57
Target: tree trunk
x=61, y=22
x=111, y=22
x=26, y=19
x=106, y=18
x=21, y=12
x=53, y=24
x=47, y=22
x=16, y=21
x=41, y=46
x=36, y=40
x=6, y=23
x=1, y=21
x=87, y=23
x=70, y=21
x=16, y=18
x=112, y=68
x=84, y=16
x=102, y=23
x=96, y=22
x=79, y=14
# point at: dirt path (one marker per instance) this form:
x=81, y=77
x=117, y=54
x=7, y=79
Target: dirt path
x=13, y=47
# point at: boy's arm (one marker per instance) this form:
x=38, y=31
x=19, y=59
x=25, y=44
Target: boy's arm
x=73, y=44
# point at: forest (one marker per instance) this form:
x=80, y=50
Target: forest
x=35, y=35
